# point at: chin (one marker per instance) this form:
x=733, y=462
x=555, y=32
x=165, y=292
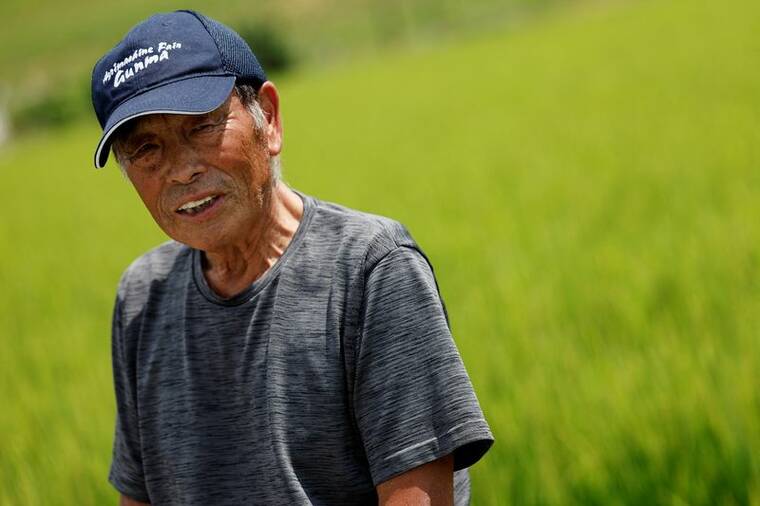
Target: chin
x=196, y=239
x=201, y=243
x=210, y=240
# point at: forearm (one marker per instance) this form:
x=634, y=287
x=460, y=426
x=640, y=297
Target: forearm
x=128, y=501
x=430, y=484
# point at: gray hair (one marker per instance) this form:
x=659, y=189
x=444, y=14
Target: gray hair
x=250, y=100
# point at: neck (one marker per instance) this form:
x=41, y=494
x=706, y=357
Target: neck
x=231, y=269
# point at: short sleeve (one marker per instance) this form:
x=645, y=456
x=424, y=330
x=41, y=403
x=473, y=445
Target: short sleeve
x=413, y=399
x=126, y=473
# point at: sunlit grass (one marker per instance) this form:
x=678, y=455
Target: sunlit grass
x=587, y=190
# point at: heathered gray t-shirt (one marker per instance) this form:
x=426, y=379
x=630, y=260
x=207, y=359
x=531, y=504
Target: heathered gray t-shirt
x=330, y=374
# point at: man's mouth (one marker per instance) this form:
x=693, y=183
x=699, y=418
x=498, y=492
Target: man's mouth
x=196, y=206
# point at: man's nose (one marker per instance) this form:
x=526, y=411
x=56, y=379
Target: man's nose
x=185, y=166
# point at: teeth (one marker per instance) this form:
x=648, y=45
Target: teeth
x=195, y=203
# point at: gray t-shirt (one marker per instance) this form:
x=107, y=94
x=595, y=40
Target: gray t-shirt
x=330, y=374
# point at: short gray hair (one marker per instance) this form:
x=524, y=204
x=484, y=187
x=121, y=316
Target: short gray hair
x=250, y=100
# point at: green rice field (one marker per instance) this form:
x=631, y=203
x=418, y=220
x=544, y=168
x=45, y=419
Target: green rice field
x=587, y=187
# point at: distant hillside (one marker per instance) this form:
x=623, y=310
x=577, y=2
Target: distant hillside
x=46, y=55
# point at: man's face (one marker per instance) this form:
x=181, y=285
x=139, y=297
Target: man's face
x=205, y=179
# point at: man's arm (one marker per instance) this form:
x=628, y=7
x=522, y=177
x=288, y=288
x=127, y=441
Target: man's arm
x=413, y=401
x=126, y=473
x=128, y=501
x=429, y=484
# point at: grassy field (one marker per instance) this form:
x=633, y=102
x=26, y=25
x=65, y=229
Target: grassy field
x=37, y=39
x=47, y=57
x=587, y=188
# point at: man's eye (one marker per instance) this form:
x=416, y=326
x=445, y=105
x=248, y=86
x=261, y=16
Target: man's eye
x=206, y=127
x=143, y=151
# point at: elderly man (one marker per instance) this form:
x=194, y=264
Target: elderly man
x=280, y=349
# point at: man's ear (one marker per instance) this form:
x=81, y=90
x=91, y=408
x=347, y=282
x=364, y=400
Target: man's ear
x=269, y=100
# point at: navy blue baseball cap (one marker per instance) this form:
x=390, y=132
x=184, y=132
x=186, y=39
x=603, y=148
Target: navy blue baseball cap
x=176, y=63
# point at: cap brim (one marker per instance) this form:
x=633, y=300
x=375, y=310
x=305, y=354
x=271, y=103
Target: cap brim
x=195, y=95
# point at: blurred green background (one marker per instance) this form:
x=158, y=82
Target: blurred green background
x=584, y=176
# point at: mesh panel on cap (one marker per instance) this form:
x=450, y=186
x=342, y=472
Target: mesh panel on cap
x=236, y=55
